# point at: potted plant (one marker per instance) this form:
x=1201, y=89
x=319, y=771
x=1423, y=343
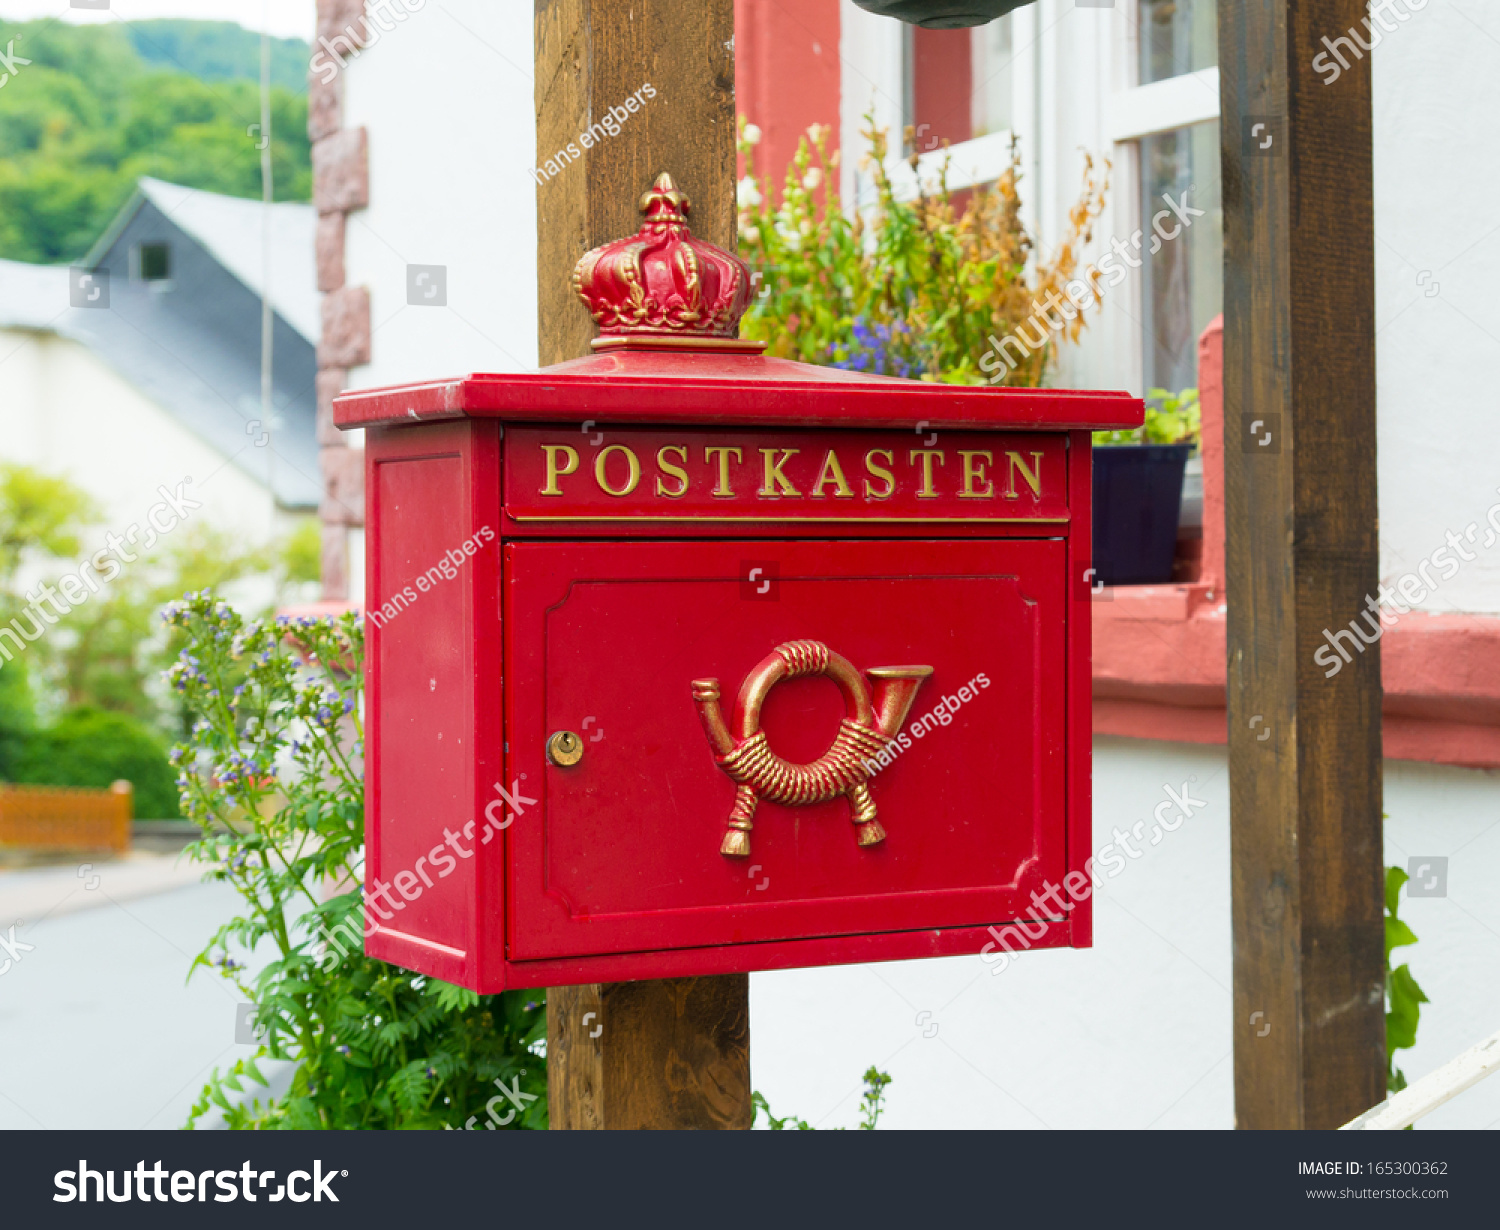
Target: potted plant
x=1138, y=491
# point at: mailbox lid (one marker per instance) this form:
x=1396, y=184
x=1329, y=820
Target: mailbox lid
x=692, y=387
x=621, y=851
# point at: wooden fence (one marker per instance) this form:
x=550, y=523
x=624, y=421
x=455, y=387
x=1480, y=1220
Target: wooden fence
x=62, y=818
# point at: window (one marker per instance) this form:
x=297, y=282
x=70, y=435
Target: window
x=1177, y=37
x=155, y=262
x=1184, y=278
x=994, y=54
x=937, y=68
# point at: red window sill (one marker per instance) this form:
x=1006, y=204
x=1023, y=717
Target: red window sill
x=1159, y=673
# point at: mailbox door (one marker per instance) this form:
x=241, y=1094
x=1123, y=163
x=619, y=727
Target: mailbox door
x=620, y=851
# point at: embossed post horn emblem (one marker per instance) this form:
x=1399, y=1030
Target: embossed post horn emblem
x=870, y=725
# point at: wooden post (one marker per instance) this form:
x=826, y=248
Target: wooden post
x=1302, y=554
x=591, y=57
x=670, y=1054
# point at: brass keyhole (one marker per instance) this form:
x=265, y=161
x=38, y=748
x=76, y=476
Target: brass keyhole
x=564, y=749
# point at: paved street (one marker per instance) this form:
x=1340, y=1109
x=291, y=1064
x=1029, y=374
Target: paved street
x=97, y=1028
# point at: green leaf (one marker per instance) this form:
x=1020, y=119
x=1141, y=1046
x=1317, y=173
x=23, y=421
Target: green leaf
x=1395, y=879
x=1397, y=935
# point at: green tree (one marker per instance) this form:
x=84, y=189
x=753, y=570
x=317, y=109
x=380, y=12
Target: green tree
x=300, y=556
x=93, y=749
x=39, y=513
x=116, y=646
x=17, y=716
x=218, y=51
x=40, y=516
x=87, y=117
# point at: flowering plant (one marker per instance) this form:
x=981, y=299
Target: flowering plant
x=921, y=288
x=1177, y=420
x=273, y=772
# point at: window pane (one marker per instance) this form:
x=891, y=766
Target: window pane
x=1184, y=277
x=1177, y=36
x=156, y=262
x=993, y=55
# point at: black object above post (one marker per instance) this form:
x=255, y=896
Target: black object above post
x=942, y=14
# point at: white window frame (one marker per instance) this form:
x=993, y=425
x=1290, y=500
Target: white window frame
x=1130, y=112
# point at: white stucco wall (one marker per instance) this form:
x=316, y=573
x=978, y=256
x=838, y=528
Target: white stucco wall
x=447, y=99
x=1136, y=1031
x=67, y=413
x=1437, y=260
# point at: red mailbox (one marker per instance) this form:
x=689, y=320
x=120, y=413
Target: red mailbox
x=683, y=660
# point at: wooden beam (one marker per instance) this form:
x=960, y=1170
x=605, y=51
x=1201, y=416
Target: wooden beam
x=591, y=56
x=667, y=1054
x=1302, y=554
x=670, y=1054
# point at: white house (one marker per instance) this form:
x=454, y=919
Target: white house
x=425, y=142
x=140, y=367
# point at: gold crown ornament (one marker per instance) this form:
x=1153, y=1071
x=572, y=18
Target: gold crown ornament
x=664, y=283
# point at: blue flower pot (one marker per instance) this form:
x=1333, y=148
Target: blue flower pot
x=1137, y=498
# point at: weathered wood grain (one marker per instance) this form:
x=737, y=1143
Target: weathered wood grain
x=1302, y=554
x=591, y=55
x=675, y=1053
x=668, y=1054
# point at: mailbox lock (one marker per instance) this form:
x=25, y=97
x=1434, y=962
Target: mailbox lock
x=564, y=749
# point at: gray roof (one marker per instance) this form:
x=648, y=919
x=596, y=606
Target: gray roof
x=232, y=229
x=192, y=344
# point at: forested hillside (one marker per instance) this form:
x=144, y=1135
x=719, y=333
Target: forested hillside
x=217, y=51
x=89, y=115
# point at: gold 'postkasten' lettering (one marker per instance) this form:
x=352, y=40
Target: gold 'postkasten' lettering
x=927, y=491
x=974, y=472
x=833, y=473
x=880, y=472
x=632, y=470
x=1031, y=477
x=617, y=472
x=776, y=483
x=722, y=490
x=672, y=470
x=554, y=471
